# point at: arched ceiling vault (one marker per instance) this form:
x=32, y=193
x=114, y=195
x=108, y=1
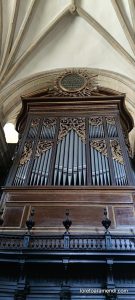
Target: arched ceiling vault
x=38, y=36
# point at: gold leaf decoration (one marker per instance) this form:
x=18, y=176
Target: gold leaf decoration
x=100, y=146
x=110, y=120
x=35, y=122
x=116, y=151
x=43, y=146
x=95, y=121
x=67, y=124
x=27, y=151
x=48, y=122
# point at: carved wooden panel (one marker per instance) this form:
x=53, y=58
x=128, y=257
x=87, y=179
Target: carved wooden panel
x=83, y=216
x=70, y=195
x=124, y=216
x=13, y=216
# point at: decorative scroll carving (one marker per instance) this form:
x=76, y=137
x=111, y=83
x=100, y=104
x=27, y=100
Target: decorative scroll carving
x=116, y=151
x=43, y=146
x=83, y=84
x=110, y=120
x=125, y=133
x=67, y=124
x=35, y=122
x=27, y=151
x=95, y=121
x=100, y=146
x=49, y=122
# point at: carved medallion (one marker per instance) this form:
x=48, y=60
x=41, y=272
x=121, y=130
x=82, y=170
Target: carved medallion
x=74, y=83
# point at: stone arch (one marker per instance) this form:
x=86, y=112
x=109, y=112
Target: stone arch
x=11, y=96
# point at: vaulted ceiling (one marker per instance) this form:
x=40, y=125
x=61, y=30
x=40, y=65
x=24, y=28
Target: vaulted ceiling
x=37, y=36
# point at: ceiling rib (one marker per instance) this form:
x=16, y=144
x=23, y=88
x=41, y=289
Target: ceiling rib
x=19, y=37
x=1, y=27
x=10, y=33
x=132, y=12
x=35, y=43
x=73, y=5
x=107, y=36
x=120, y=12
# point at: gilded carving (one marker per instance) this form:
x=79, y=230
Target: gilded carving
x=27, y=151
x=43, y=146
x=67, y=124
x=84, y=84
x=110, y=120
x=95, y=121
x=49, y=122
x=35, y=122
x=125, y=133
x=99, y=145
x=116, y=151
x=72, y=82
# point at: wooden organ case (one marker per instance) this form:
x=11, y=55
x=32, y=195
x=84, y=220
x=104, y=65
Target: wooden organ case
x=72, y=155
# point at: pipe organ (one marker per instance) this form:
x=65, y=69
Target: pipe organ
x=72, y=158
x=71, y=154
x=72, y=151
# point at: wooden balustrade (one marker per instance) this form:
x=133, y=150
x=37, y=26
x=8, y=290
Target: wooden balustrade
x=76, y=242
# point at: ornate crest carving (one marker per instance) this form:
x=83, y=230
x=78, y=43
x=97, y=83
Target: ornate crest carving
x=35, y=122
x=110, y=120
x=95, y=121
x=48, y=123
x=67, y=124
x=126, y=138
x=99, y=145
x=27, y=151
x=74, y=83
x=43, y=146
x=116, y=151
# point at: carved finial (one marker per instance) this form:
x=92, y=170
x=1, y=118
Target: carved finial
x=67, y=223
x=106, y=222
x=30, y=222
x=72, y=8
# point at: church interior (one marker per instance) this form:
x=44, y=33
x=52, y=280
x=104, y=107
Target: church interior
x=67, y=149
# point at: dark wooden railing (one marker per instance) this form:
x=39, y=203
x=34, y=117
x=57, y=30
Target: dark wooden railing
x=68, y=242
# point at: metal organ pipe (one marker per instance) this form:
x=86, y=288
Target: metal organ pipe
x=99, y=163
x=60, y=164
x=70, y=159
x=75, y=158
x=80, y=162
x=56, y=164
x=65, y=163
x=47, y=167
x=93, y=166
x=70, y=164
x=104, y=169
x=100, y=168
x=84, y=163
x=45, y=158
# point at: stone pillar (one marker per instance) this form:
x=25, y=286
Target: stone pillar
x=132, y=141
x=4, y=156
x=6, y=152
